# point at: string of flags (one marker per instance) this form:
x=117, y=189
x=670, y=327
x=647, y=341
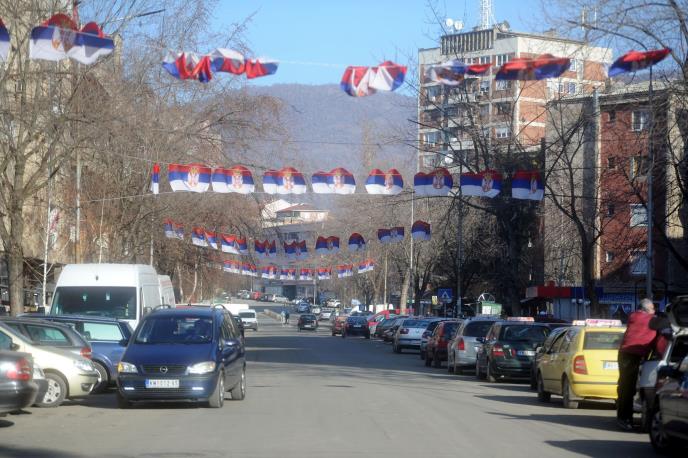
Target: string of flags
x=191, y=66
x=364, y=81
x=274, y=272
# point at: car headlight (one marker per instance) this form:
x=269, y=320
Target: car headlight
x=126, y=368
x=202, y=368
x=84, y=365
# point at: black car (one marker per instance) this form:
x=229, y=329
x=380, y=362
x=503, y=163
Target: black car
x=509, y=350
x=356, y=326
x=307, y=321
x=191, y=354
x=17, y=388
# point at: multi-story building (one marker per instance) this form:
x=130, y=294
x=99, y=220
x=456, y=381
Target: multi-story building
x=455, y=121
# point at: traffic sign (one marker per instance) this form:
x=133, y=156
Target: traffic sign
x=445, y=295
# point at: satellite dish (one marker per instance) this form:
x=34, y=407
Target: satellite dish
x=458, y=25
x=449, y=22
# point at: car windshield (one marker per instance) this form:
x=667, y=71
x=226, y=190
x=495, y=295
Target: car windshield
x=477, y=328
x=175, y=330
x=247, y=314
x=110, y=301
x=524, y=333
x=602, y=340
x=357, y=320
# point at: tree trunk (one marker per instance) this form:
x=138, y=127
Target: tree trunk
x=589, y=282
x=404, y=291
x=15, y=250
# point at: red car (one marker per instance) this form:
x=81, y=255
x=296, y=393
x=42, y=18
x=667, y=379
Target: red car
x=436, y=349
x=373, y=320
x=255, y=295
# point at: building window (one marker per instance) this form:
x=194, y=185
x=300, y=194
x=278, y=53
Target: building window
x=609, y=256
x=484, y=86
x=567, y=88
x=574, y=65
x=611, y=209
x=502, y=85
x=611, y=116
x=502, y=59
x=484, y=110
x=638, y=215
x=638, y=263
x=640, y=165
x=431, y=138
x=611, y=163
x=502, y=132
x=503, y=108
x=639, y=120
x=485, y=60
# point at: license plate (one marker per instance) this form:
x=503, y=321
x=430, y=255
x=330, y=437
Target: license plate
x=357, y=326
x=166, y=383
x=525, y=353
x=611, y=365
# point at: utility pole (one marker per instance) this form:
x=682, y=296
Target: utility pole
x=384, y=297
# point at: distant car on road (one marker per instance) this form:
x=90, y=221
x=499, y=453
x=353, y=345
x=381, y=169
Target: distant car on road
x=279, y=299
x=432, y=324
x=303, y=308
x=325, y=314
x=356, y=326
x=193, y=354
x=409, y=334
x=249, y=318
x=307, y=321
x=436, y=349
x=463, y=348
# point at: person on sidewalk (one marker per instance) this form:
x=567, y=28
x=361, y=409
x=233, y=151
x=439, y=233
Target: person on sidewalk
x=637, y=343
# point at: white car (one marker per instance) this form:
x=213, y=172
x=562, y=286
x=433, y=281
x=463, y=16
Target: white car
x=280, y=299
x=249, y=319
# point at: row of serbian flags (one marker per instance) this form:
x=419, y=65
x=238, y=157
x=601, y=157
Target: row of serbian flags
x=525, y=184
x=296, y=250
x=273, y=272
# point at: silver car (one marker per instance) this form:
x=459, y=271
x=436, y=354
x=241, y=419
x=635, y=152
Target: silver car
x=409, y=334
x=462, y=349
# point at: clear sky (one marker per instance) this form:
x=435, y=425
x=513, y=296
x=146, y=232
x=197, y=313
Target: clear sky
x=352, y=32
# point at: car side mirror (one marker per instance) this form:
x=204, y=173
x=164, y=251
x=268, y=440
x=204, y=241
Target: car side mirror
x=124, y=342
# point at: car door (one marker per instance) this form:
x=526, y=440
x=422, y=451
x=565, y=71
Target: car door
x=232, y=350
x=547, y=366
x=562, y=359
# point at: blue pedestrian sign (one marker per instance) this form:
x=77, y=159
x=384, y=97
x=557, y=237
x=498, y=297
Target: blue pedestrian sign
x=445, y=295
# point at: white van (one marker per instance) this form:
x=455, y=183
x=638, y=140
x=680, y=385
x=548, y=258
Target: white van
x=122, y=291
x=166, y=290
x=249, y=318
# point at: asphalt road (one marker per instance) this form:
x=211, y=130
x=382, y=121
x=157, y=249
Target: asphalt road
x=313, y=395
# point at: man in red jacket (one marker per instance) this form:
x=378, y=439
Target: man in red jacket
x=636, y=345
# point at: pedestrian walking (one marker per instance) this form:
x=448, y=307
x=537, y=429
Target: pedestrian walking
x=637, y=343
x=283, y=315
x=286, y=316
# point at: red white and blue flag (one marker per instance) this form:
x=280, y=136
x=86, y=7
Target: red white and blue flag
x=271, y=249
x=452, y=72
x=436, y=183
x=188, y=66
x=487, y=183
x=366, y=266
x=231, y=266
x=538, y=68
x=384, y=236
x=356, y=242
x=4, y=42
x=234, y=179
x=388, y=183
x=284, y=181
x=227, y=61
x=191, y=177
x=155, y=179
x=327, y=245
x=336, y=181
x=306, y=274
x=59, y=38
x=168, y=226
x=211, y=239
x=345, y=270
x=420, y=230
x=261, y=66
x=260, y=248
x=362, y=81
x=396, y=234
x=229, y=243
x=633, y=61
x=324, y=273
x=198, y=237
x=527, y=184
x=290, y=250
x=269, y=272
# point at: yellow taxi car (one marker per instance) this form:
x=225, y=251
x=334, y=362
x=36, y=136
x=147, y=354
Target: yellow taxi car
x=581, y=363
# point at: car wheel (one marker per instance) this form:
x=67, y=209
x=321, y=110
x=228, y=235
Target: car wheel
x=566, y=395
x=490, y=376
x=104, y=378
x=239, y=391
x=57, y=391
x=436, y=363
x=217, y=398
x=533, y=382
x=660, y=441
x=543, y=396
x=122, y=402
x=428, y=360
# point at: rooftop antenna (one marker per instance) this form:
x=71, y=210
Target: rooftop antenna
x=485, y=14
x=455, y=24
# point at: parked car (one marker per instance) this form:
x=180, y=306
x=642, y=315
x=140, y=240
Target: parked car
x=540, y=352
x=356, y=326
x=193, y=354
x=303, y=308
x=378, y=317
x=582, y=363
x=432, y=324
x=46, y=333
x=338, y=325
x=509, y=349
x=669, y=424
x=307, y=321
x=41, y=381
x=436, y=349
x=17, y=387
x=315, y=309
x=409, y=334
x=279, y=299
x=249, y=318
x=462, y=349
x=385, y=329
x=105, y=335
x=68, y=375
x=325, y=314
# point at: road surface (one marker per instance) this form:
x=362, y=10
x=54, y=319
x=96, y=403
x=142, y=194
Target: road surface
x=313, y=395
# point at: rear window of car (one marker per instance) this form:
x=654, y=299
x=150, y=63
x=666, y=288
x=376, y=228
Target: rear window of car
x=449, y=328
x=477, y=328
x=602, y=340
x=414, y=323
x=524, y=333
x=308, y=317
x=247, y=314
x=103, y=332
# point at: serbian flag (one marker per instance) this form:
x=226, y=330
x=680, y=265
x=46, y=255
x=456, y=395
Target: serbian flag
x=487, y=183
x=259, y=248
x=4, y=42
x=284, y=181
x=439, y=182
x=396, y=234
x=341, y=181
x=179, y=231
x=356, y=81
x=327, y=245
x=356, y=242
x=255, y=68
x=272, y=249
x=227, y=61
x=59, y=38
x=228, y=244
x=324, y=273
x=345, y=270
x=234, y=179
x=155, y=179
x=366, y=266
x=362, y=81
x=525, y=69
x=301, y=250
x=527, y=184
x=188, y=66
x=211, y=239
x=633, y=61
x=306, y=274
x=290, y=250
x=198, y=237
x=191, y=177
x=168, y=226
x=242, y=246
x=384, y=235
x=246, y=268
x=265, y=272
x=420, y=230
x=452, y=72
x=388, y=183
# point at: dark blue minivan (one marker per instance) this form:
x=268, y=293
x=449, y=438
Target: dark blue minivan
x=183, y=354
